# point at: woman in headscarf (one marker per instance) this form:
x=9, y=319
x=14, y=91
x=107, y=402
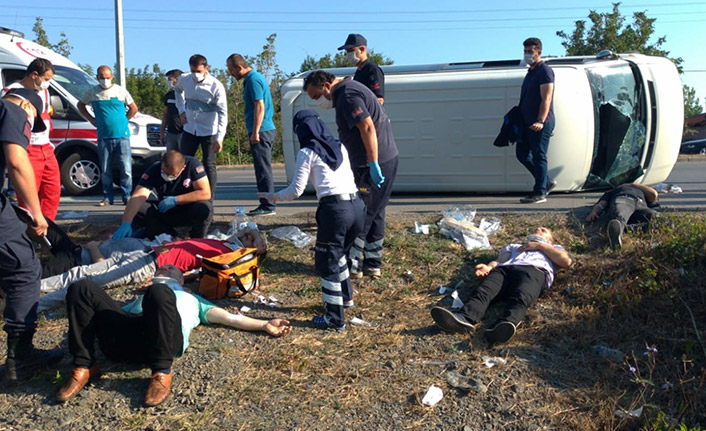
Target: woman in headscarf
x=340, y=216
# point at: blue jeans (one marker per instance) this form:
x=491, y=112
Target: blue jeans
x=120, y=147
x=531, y=151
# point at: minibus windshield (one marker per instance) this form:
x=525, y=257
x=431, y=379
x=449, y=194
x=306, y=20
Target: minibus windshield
x=620, y=125
x=75, y=81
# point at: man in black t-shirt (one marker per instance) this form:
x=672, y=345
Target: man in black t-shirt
x=170, y=131
x=19, y=266
x=627, y=204
x=365, y=130
x=182, y=188
x=368, y=73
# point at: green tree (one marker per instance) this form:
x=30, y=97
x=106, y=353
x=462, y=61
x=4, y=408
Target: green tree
x=611, y=31
x=339, y=60
x=148, y=87
x=63, y=47
x=692, y=106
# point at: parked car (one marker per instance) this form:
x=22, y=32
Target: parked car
x=697, y=146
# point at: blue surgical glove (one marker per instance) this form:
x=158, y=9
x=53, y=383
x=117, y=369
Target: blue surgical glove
x=167, y=203
x=376, y=173
x=123, y=231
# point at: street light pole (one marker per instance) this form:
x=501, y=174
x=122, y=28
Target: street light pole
x=119, y=45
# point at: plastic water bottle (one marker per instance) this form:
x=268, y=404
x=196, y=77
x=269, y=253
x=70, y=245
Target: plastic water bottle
x=240, y=220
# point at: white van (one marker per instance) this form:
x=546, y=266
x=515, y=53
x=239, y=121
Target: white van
x=619, y=119
x=73, y=137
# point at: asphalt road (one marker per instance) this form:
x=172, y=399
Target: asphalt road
x=236, y=187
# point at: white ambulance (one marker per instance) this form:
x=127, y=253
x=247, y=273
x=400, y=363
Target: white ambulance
x=619, y=119
x=73, y=137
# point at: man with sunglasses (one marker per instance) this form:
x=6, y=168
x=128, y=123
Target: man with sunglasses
x=184, y=200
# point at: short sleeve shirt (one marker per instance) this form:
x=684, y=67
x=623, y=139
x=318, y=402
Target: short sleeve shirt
x=152, y=179
x=109, y=109
x=530, y=95
x=372, y=77
x=172, y=113
x=14, y=130
x=255, y=88
x=354, y=103
x=533, y=258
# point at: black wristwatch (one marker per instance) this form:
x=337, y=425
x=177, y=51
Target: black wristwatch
x=540, y=121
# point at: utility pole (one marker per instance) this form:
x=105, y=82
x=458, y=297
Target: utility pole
x=119, y=45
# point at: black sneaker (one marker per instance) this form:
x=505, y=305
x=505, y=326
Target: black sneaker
x=551, y=184
x=450, y=321
x=262, y=210
x=615, y=234
x=501, y=332
x=534, y=199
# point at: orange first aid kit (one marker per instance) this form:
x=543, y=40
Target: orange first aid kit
x=230, y=275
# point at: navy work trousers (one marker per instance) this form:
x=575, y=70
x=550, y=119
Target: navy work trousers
x=339, y=223
x=196, y=217
x=20, y=273
x=367, y=248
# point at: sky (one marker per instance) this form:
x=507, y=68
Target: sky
x=407, y=31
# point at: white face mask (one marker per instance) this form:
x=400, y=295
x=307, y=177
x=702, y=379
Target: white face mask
x=43, y=85
x=352, y=58
x=169, y=178
x=198, y=77
x=105, y=83
x=529, y=59
x=324, y=103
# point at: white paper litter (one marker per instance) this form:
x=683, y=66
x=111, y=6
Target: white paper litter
x=262, y=299
x=457, y=301
x=360, y=322
x=421, y=228
x=273, y=299
x=491, y=361
x=245, y=309
x=272, y=305
x=433, y=396
x=631, y=414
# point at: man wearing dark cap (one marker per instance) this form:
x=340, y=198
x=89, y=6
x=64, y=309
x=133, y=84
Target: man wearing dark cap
x=20, y=271
x=368, y=73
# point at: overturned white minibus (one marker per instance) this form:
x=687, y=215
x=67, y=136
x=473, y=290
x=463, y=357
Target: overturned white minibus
x=619, y=119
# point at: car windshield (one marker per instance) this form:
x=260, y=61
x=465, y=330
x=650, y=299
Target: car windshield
x=620, y=125
x=75, y=81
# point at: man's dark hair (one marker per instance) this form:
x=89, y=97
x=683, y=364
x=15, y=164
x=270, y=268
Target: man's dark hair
x=174, y=73
x=197, y=60
x=40, y=65
x=317, y=78
x=173, y=159
x=237, y=60
x=533, y=41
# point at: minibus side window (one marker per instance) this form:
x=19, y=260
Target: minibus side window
x=620, y=125
x=12, y=75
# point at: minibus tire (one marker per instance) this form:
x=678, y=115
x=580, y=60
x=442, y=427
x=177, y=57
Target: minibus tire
x=73, y=185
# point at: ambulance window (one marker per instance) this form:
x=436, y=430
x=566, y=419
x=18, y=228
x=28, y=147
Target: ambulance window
x=12, y=75
x=75, y=81
x=620, y=125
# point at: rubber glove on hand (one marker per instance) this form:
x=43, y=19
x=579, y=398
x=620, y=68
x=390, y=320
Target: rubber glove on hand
x=167, y=203
x=123, y=231
x=376, y=173
x=271, y=197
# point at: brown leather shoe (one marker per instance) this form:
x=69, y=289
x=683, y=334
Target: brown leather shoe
x=79, y=378
x=158, y=389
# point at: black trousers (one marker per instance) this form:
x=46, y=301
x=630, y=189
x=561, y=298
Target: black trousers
x=262, y=162
x=188, y=146
x=338, y=224
x=196, y=217
x=630, y=210
x=153, y=337
x=367, y=249
x=518, y=285
x=20, y=273
x=65, y=253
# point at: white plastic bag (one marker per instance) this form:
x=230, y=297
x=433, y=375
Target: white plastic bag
x=294, y=235
x=464, y=233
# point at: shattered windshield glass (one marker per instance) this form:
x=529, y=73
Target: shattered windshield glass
x=620, y=126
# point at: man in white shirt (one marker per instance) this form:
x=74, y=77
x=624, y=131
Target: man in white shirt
x=40, y=151
x=203, y=110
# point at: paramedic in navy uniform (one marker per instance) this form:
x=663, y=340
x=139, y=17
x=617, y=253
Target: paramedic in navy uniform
x=340, y=216
x=368, y=73
x=184, y=194
x=537, y=109
x=365, y=131
x=20, y=270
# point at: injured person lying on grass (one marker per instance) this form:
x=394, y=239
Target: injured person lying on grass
x=518, y=276
x=152, y=330
x=129, y=261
